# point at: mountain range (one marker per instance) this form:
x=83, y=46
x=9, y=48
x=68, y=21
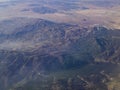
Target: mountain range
x=37, y=54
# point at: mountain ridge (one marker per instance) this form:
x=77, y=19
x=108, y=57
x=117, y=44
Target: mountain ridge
x=62, y=47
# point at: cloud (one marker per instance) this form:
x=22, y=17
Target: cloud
x=16, y=45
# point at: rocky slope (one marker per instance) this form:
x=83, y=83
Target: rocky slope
x=37, y=54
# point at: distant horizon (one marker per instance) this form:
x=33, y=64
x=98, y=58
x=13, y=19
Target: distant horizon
x=6, y=0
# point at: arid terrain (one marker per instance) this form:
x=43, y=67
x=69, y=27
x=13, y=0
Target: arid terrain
x=59, y=45
x=88, y=12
